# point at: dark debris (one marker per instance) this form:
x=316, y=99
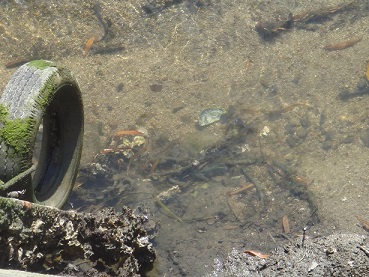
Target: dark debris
x=48, y=240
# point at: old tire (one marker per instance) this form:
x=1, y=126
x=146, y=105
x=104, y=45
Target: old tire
x=41, y=94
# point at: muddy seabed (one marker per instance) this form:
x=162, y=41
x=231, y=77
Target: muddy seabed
x=293, y=107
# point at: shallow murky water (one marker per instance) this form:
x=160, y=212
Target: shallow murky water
x=296, y=127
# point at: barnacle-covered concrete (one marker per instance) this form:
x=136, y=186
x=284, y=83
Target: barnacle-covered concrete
x=47, y=240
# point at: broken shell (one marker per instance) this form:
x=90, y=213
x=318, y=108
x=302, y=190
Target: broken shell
x=167, y=195
x=37, y=225
x=16, y=194
x=210, y=116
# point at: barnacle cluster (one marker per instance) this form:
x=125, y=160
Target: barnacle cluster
x=48, y=240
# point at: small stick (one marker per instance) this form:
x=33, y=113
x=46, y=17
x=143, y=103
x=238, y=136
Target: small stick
x=154, y=166
x=128, y=132
x=364, y=250
x=161, y=204
x=9, y=184
x=243, y=188
x=258, y=191
x=342, y=45
x=285, y=225
x=364, y=223
x=231, y=227
x=304, y=235
x=257, y=254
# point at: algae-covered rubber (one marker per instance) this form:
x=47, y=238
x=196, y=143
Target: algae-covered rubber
x=38, y=93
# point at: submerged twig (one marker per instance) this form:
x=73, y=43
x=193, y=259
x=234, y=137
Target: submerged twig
x=162, y=205
x=258, y=191
x=286, y=180
x=241, y=189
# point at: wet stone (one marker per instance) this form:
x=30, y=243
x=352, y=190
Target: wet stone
x=362, y=84
x=156, y=87
x=365, y=137
x=328, y=144
x=120, y=87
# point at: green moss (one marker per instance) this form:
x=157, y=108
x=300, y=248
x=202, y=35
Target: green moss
x=40, y=64
x=10, y=210
x=45, y=96
x=3, y=113
x=15, y=133
x=47, y=92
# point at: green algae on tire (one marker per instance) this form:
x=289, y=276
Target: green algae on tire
x=14, y=132
x=41, y=93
